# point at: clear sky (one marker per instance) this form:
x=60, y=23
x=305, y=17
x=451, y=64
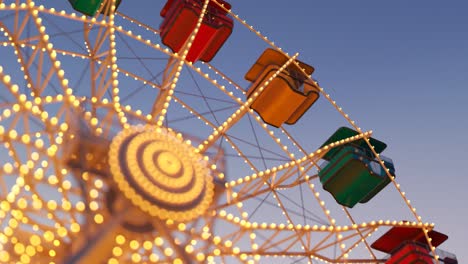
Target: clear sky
x=399, y=68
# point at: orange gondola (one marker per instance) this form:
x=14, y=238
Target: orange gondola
x=288, y=96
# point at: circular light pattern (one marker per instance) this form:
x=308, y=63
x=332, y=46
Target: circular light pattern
x=160, y=173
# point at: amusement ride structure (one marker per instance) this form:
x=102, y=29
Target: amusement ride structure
x=125, y=142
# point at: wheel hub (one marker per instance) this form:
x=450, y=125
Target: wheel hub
x=160, y=173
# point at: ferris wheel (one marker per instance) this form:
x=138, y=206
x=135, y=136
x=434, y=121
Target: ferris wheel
x=126, y=141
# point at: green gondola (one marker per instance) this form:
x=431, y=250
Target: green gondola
x=352, y=173
x=90, y=7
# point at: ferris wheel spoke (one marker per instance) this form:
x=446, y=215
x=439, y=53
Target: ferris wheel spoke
x=144, y=82
x=67, y=33
x=100, y=60
x=345, y=209
x=224, y=76
x=251, y=157
x=210, y=110
x=214, y=99
x=305, y=213
x=308, y=215
x=191, y=116
x=277, y=238
x=215, y=83
x=139, y=23
x=361, y=235
x=31, y=45
x=263, y=182
x=7, y=16
x=244, y=109
x=95, y=42
x=254, y=188
x=25, y=64
x=193, y=112
x=136, y=57
x=286, y=213
x=173, y=69
x=279, y=156
x=257, y=142
x=301, y=165
x=51, y=53
x=18, y=29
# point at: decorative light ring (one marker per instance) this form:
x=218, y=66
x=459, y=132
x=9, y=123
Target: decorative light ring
x=160, y=173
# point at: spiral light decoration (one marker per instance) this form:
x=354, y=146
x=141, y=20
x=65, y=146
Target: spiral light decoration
x=160, y=173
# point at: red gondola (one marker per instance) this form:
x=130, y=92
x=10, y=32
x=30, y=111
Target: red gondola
x=410, y=253
x=398, y=235
x=180, y=19
x=408, y=245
